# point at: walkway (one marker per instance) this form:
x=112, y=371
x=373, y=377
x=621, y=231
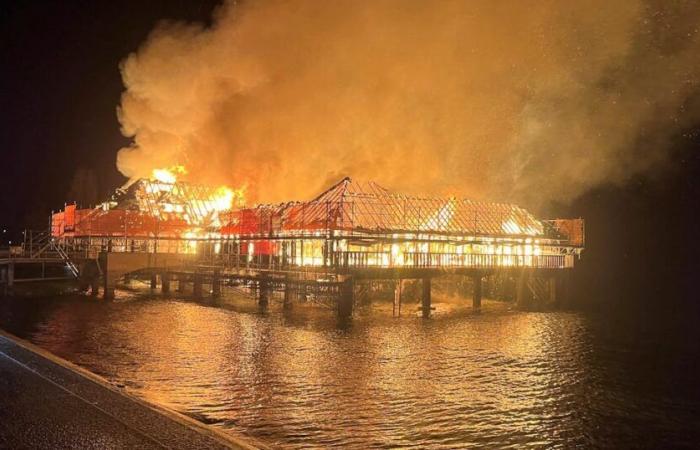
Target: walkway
x=48, y=403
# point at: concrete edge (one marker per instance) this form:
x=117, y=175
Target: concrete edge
x=229, y=439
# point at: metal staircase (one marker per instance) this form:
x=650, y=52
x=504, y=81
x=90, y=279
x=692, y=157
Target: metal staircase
x=42, y=245
x=64, y=256
x=36, y=243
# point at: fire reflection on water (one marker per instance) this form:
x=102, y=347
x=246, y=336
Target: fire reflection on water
x=294, y=378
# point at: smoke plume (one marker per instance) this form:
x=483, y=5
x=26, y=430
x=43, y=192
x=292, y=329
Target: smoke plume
x=524, y=101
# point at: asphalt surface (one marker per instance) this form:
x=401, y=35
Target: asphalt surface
x=47, y=405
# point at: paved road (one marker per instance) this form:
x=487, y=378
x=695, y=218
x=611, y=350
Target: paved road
x=46, y=405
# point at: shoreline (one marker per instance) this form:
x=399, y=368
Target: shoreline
x=60, y=376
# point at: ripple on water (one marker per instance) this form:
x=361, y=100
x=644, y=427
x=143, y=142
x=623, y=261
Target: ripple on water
x=499, y=379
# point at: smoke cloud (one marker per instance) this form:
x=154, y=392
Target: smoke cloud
x=523, y=101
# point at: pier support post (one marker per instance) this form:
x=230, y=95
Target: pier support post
x=398, y=291
x=425, y=299
x=110, y=276
x=180, y=283
x=264, y=291
x=346, y=298
x=89, y=277
x=288, y=293
x=197, y=285
x=565, y=289
x=476, y=299
x=522, y=292
x=552, y=289
x=509, y=288
x=154, y=280
x=165, y=282
x=10, y=275
x=108, y=287
x=216, y=284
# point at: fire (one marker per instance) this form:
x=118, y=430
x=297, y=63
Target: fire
x=441, y=220
x=167, y=198
x=225, y=198
x=510, y=226
x=168, y=175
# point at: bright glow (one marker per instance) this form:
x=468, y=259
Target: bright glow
x=168, y=175
x=440, y=221
x=167, y=199
x=191, y=242
x=510, y=226
x=223, y=199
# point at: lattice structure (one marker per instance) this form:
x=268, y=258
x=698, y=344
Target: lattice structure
x=367, y=207
x=197, y=205
x=351, y=225
x=354, y=205
x=356, y=224
x=147, y=208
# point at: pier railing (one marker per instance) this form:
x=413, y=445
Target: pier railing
x=355, y=259
x=235, y=254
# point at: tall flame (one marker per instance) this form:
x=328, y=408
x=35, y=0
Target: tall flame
x=168, y=199
x=168, y=175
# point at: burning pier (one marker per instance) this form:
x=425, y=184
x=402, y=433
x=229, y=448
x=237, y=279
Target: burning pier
x=326, y=248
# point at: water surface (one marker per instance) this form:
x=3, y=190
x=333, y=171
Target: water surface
x=300, y=378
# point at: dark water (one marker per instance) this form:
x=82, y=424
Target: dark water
x=299, y=379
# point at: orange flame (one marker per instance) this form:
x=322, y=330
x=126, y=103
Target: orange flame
x=168, y=175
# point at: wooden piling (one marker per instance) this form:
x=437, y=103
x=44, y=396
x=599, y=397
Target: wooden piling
x=425, y=299
x=181, y=283
x=476, y=299
x=564, y=293
x=398, y=291
x=216, y=284
x=552, y=289
x=165, y=282
x=10, y=275
x=346, y=298
x=264, y=291
x=197, y=285
x=288, y=293
x=523, y=294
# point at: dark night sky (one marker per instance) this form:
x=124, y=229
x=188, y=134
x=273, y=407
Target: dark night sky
x=60, y=89
x=61, y=85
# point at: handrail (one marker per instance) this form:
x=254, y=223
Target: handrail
x=355, y=259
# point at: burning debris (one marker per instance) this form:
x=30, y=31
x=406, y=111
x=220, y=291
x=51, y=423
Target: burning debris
x=156, y=207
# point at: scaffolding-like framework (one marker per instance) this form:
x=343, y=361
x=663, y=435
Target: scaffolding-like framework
x=359, y=207
x=363, y=225
x=352, y=225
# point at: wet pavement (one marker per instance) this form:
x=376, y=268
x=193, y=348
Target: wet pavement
x=44, y=404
